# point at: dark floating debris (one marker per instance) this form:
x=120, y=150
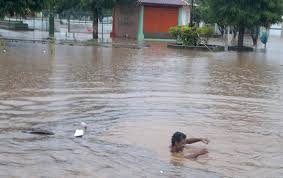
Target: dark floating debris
x=39, y=132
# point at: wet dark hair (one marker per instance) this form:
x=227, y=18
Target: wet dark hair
x=177, y=137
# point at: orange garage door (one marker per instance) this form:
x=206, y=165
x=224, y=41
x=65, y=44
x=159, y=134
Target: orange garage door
x=159, y=19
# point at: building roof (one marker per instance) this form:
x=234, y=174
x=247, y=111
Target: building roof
x=165, y=2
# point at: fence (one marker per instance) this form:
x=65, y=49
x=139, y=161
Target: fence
x=68, y=23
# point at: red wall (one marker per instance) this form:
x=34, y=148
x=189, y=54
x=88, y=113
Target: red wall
x=126, y=21
x=160, y=19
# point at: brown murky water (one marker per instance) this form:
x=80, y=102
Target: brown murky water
x=132, y=101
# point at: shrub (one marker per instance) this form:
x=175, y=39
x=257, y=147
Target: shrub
x=205, y=32
x=191, y=36
x=175, y=31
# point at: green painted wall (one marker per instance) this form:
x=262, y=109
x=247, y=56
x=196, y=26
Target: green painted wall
x=180, y=16
x=140, y=35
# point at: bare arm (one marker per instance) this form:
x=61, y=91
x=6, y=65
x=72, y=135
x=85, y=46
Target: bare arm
x=197, y=154
x=194, y=140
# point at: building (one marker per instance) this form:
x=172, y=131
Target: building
x=149, y=18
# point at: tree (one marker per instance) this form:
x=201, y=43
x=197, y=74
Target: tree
x=203, y=12
x=97, y=6
x=192, y=12
x=58, y=6
x=52, y=6
x=244, y=14
x=20, y=7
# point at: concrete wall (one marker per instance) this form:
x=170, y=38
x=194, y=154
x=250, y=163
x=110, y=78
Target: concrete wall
x=184, y=15
x=187, y=14
x=126, y=21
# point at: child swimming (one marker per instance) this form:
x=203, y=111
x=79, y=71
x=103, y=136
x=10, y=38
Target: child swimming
x=179, y=140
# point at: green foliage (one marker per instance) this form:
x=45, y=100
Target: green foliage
x=175, y=31
x=242, y=13
x=93, y=5
x=97, y=7
x=205, y=32
x=2, y=44
x=197, y=14
x=20, y=6
x=191, y=36
x=68, y=6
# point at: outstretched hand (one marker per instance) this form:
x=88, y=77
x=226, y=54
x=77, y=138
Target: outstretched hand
x=203, y=151
x=205, y=140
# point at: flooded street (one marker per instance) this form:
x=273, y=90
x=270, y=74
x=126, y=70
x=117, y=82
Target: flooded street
x=133, y=101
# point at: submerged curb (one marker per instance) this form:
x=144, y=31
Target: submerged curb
x=79, y=43
x=214, y=48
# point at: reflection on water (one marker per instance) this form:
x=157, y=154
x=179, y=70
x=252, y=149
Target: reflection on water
x=133, y=101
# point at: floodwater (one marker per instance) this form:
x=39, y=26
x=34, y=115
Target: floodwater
x=133, y=100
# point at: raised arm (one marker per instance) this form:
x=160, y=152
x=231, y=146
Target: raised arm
x=194, y=140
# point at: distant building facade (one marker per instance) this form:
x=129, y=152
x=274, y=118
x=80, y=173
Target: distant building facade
x=149, y=18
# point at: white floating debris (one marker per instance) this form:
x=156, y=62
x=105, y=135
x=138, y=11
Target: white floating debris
x=79, y=133
x=161, y=172
x=44, y=51
x=84, y=125
x=4, y=50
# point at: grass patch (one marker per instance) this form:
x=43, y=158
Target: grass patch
x=2, y=43
x=90, y=42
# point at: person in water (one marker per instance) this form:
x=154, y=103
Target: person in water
x=179, y=141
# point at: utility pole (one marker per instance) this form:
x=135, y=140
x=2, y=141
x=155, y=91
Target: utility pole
x=191, y=17
x=51, y=23
x=51, y=19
